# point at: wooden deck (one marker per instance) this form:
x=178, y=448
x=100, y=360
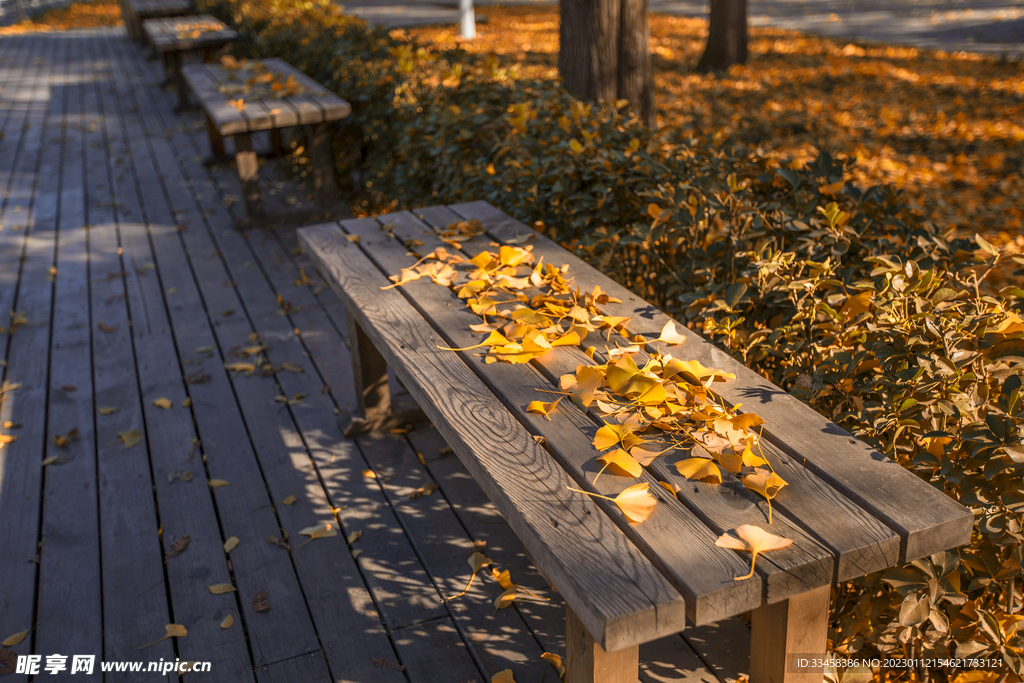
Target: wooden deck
x=127, y=284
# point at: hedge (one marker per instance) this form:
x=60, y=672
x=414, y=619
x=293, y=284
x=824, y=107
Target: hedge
x=841, y=295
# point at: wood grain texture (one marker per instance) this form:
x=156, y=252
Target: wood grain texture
x=587, y=662
x=781, y=633
x=519, y=476
x=311, y=668
x=934, y=521
x=673, y=537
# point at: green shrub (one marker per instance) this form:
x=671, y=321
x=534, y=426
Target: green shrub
x=842, y=296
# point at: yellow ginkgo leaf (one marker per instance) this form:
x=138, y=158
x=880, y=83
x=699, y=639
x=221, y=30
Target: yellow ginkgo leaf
x=832, y=190
x=477, y=561
x=506, y=598
x=221, y=588
x=693, y=368
x=670, y=335
x=6, y=439
x=644, y=455
x=752, y=539
x=354, y=536
x=163, y=402
x=767, y=483
x=131, y=437
x=750, y=458
x=503, y=676
x=15, y=639
x=325, y=530
x=107, y=410
x=217, y=483
x=555, y=661
x=636, y=502
x=621, y=463
x=290, y=500
x=542, y=408
x=611, y=435
x=230, y=544
x=228, y=621
x=746, y=421
x=173, y=631
x=504, y=578
x=703, y=469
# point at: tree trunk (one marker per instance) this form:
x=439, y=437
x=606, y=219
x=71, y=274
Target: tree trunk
x=604, y=53
x=727, y=35
x=635, y=72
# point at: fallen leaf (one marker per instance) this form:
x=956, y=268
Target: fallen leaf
x=506, y=675
x=7, y=438
x=173, y=631
x=477, y=561
x=217, y=483
x=49, y=461
x=221, y=588
x=231, y=544
x=356, y=553
x=354, y=536
x=279, y=543
x=15, y=639
x=107, y=410
x=131, y=437
x=621, y=463
x=290, y=500
x=164, y=403
x=370, y=474
x=325, y=530
x=424, y=490
x=506, y=598
x=767, y=483
x=60, y=440
x=753, y=539
x=103, y=327
x=542, y=408
x=261, y=601
x=670, y=335
x=179, y=546
x=701, y=469
x=636, y=502
x=555, y=661
x=228, y=621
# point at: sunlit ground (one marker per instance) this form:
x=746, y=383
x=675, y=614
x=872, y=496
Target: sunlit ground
x=947, y=128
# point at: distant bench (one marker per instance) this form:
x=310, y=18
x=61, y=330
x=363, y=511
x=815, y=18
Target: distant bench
x=174, y=37
x=234, y=108
x=849, y=510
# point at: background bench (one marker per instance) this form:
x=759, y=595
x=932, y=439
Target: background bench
x=848, y=509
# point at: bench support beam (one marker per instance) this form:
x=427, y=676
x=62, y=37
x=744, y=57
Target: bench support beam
x=779, y=632
x=587, y=662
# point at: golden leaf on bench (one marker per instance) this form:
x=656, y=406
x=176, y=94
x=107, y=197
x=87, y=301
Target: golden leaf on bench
x=620, y=462
x=636, y=502
x=753, y=539
x=701, y=469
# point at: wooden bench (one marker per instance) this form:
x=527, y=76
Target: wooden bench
x=140, y=10
x=174, y=37
x=233, y=111
x=848, y=509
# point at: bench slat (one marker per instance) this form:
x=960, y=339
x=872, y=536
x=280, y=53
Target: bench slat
x=933, y=523
x=163, y=33
x=803, y=566
x=332, y=106
x=618, y=594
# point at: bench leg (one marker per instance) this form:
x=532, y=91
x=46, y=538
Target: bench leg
x=179, y=80
x=587, y=662
x=779, y=632
x=323, y=165
x=248, y=173
x=370, y=374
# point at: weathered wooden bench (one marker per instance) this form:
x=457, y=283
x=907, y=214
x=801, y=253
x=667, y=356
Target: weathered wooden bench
x=140, y=10
x=848, y=509
x=233, y=111
x=175, y=37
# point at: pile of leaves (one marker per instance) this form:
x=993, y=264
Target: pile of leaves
x=75, y=15
x=887, y=323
